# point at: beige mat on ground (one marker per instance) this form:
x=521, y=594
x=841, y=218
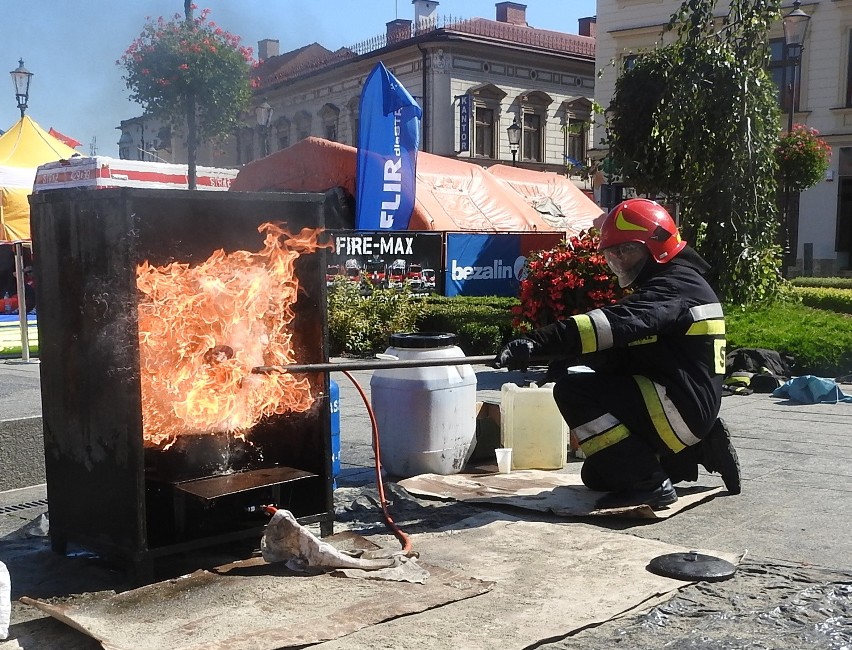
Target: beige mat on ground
x=251, y=606
x=550, y=579
x=561, y=493
x=532, y=581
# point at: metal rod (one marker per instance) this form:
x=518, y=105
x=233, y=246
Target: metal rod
x=379, y=364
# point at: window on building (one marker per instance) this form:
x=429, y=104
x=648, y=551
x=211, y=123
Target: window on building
x=578, y=137
x=849, y=74
x=783, y=74
x=534, y=106
x=629, y=61
x=843, y=234
x=353, y=106
x=302, y=123
x=164, y=135
x=329, y=114
x=245, y=146
x=485, y=101
x=531, y=142
x=125, y=144
x=282, y=132
x=484, y=132
x=576, y=117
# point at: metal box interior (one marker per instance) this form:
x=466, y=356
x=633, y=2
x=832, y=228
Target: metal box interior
x=108, y=492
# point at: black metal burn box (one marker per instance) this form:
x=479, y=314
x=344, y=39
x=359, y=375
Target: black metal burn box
x=108, y=492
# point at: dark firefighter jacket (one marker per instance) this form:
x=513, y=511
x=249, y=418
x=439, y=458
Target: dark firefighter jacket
x=671, y=329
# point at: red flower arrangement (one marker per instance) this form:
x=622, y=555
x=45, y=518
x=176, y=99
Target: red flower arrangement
x=571, y=278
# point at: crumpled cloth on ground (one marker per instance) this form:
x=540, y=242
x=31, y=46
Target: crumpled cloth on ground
x=809, y=389
x=285, y=540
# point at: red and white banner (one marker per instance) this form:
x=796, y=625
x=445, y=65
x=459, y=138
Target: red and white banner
x=102, y=172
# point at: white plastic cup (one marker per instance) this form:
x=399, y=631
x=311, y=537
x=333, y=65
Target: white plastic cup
x=504, y=460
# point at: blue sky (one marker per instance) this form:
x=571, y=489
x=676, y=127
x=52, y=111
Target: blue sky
x=71, y=46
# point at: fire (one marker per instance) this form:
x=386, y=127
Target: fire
x=201, y=331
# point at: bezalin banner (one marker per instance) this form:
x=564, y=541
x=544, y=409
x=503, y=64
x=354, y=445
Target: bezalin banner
x=388, y=138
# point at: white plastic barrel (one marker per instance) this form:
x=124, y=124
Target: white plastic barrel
x=426, y=416
x=531, y=424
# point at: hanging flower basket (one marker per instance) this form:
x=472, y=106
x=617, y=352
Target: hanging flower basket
x=802, y=158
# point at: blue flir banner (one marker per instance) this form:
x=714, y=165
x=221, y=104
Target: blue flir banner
x=491, y=265
x=388, y=139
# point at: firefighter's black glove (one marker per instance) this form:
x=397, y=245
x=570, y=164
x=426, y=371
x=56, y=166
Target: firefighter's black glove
x=515, y=355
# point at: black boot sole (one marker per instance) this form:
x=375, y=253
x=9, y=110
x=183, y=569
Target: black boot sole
x=657, y=499
x=720, y=456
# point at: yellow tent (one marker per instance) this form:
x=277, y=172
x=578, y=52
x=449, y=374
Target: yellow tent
x=23, y=148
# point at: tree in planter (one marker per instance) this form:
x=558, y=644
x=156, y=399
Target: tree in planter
x=190, y=71
x=697, y=120
x=571, y=278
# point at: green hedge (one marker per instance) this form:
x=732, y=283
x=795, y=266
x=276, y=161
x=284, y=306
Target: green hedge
x=819, y=340
x=839, y=300
x=829, y=283
x=482, y=324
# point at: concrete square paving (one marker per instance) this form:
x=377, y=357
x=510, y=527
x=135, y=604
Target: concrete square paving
x=793, y=511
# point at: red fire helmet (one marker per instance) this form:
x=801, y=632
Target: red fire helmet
x=645, y=221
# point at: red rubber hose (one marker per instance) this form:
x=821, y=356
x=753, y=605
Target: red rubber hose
x=397, y=531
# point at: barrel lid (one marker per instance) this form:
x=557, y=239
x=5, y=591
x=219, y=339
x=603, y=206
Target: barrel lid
x=422, y=340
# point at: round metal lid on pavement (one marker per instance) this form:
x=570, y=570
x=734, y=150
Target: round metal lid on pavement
x=692, y=566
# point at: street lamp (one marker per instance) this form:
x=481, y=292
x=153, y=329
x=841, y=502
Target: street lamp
x=263, y=113
x=21, y=78
x=795, y=27
x=514, y=132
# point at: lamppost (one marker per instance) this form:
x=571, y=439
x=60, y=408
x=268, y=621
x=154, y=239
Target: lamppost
x=514, y=132
x=795, y=27
x=21, y=78
x=263, y=113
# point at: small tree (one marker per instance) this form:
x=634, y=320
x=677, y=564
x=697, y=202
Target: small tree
x=698, y=120
x=190, y=71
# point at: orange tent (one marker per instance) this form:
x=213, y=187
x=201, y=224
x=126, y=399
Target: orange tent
x=561, y=203
x=451, y=194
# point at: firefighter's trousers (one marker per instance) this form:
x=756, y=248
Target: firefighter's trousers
x=625, y=424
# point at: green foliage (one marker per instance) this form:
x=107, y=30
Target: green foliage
x=839, y=300
x=831, y=283
x=360, y=325
x=819, y=341
x=178, y=64
x=571, y=278
x=697, y=120
x=482, y=324
x=802, y=158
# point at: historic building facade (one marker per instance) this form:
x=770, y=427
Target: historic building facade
x=472, y=77
x=823, y=232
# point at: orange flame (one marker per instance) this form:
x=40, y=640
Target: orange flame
x=201, y=331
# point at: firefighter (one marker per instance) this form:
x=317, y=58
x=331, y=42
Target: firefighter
x=648, y=415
